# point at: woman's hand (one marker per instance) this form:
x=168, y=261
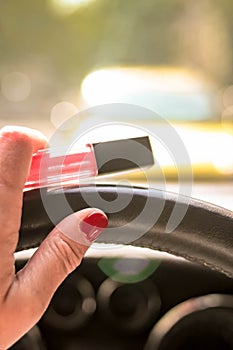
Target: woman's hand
x=25, y=296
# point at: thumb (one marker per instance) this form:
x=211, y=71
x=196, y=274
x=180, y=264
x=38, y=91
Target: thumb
x=62, y=251
x=58, y=255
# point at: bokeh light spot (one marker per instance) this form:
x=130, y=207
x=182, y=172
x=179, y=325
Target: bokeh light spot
x=16, y=86
x=126, y=270
x=227, y=114
x=228, y=96
x=61, y=112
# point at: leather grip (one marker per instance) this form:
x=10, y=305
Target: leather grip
x=205, y=234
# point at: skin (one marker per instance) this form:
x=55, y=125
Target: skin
x=25, y=296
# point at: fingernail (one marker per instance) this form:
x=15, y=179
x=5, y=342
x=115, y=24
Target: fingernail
x=93, y=225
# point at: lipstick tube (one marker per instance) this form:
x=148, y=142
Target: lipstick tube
x=50, y=168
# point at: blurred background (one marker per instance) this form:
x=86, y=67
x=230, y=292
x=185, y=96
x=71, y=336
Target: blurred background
x=175, y=57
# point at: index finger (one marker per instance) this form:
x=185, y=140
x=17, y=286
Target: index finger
x=17, y=145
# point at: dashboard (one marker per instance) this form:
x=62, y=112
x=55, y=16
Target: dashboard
x=94, y=309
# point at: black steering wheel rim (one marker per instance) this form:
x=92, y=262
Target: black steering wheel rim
x=204, y=236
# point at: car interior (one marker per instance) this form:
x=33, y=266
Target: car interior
x=160, y=277
x=178, y=297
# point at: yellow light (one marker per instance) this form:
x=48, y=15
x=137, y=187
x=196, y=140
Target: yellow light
x=67, y=7
x=223, y=160
x=217, y=151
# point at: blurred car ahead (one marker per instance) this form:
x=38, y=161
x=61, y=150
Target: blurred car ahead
x=184, y=98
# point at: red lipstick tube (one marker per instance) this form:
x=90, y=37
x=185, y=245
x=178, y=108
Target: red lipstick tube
x=60, y=169
x=48, y=170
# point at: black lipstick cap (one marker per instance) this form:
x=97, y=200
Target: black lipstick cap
x=121, y=155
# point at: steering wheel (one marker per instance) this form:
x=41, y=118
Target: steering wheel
x=204, y=236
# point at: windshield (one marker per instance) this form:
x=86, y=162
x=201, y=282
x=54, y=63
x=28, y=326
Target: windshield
x=48, y=47
x=59, y=57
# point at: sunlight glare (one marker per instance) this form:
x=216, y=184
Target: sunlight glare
x=67, y=7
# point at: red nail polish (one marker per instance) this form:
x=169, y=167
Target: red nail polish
x=93, y=225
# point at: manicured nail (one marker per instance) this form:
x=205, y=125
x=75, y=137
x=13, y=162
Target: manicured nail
x=93, y=225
